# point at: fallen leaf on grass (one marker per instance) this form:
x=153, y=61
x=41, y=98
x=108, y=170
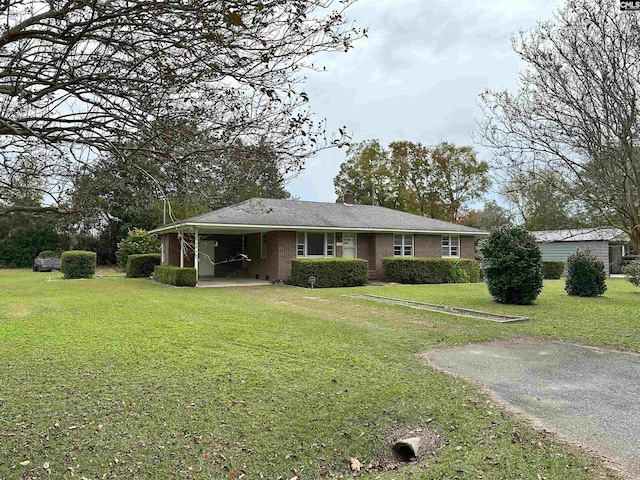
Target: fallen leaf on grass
x=25, y=463
x=355, y=464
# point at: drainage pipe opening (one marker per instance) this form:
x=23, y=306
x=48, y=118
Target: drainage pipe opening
x=407, y=449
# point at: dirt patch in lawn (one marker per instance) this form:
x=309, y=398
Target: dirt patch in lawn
x=428, y=445
x=18, y=310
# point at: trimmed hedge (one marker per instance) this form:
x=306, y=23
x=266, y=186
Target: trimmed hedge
x=419, y=270
x=141, y=265
x=180, y=277
x=329, y=272
x=585, y=274
x=78, y=264
x=47, y=254
x=552, y=270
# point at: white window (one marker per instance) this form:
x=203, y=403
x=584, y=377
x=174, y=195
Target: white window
x=263, y=245
x=315, y=244
x=403, y=245
x=450, y=246
x=330, y=244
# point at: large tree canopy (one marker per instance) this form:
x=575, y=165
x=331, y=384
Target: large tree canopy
x=544, y=201
x=80, y=78
x=577, y=112
x=436, y=181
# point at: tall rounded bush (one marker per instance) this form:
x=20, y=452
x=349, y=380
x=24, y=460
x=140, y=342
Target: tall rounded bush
x=585, y=274
x=632, y=272
x=512, y=265
x=138, y=241
x=78, y=264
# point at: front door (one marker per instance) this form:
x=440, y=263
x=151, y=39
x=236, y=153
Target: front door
x=349, y=245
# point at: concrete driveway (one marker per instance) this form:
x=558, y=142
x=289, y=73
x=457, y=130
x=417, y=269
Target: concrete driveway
x=587, y=395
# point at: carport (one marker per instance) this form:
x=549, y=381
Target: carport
x=214, y=253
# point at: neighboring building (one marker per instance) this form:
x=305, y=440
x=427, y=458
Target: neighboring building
x=273, y=232
x=611, y=245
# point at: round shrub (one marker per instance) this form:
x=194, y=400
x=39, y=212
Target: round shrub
x=138, y=241
x=512, y=265
x=552, y=270
x=585, y=274
x=78, y=264
x=632, y=272
x=47, y=254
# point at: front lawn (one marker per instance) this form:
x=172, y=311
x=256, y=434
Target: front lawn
x=612, y=320
x=124, y=378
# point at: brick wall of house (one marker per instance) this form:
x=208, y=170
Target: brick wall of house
x=467, y=247
x=172, y=250
x=427, y=246
x=383, y=243
x=281, y=250
x=430, y=246
x=367, y=251
x=286, y=253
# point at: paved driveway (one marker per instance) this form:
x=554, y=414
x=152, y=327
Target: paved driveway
x=590, y=396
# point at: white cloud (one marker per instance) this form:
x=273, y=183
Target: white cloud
x=417, y=77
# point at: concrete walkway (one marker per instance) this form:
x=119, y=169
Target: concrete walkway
x=231, y=282
x=587, y=395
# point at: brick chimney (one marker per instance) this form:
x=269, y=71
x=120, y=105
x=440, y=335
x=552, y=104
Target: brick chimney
x=348, y=198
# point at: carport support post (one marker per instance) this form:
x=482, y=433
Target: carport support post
x=197, y=256
x=181, y=250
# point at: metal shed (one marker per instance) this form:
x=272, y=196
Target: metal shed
x=606, y=243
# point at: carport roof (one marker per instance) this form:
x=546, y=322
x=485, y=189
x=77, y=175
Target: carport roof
x=613, y=235
x=276, y=214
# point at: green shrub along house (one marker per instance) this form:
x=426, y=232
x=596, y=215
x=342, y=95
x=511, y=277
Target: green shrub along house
x=260, y=238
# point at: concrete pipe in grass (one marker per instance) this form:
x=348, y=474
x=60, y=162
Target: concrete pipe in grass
x=407, y=449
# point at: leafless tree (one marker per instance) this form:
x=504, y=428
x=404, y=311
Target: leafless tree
x=82, y=77
x=577, y=108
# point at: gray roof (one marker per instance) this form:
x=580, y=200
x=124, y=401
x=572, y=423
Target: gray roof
x=595, y=234
x=266, y=213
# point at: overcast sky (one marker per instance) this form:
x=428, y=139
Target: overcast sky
x=416, y=77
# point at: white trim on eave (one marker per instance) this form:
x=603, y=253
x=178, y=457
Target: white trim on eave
x=266, y=228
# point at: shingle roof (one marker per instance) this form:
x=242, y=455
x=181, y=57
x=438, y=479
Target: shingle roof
x=581, y=235
x=268, y=212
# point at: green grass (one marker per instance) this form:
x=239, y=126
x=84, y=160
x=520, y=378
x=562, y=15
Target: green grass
x=124, y=378
x=612, y=320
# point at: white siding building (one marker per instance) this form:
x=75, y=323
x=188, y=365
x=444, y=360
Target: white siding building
x=606, y=243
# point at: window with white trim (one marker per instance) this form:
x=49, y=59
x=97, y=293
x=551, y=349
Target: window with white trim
x=330, y=244
x=315, y=244
x=450, y=246
x=402, y=245
x=263, y=245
